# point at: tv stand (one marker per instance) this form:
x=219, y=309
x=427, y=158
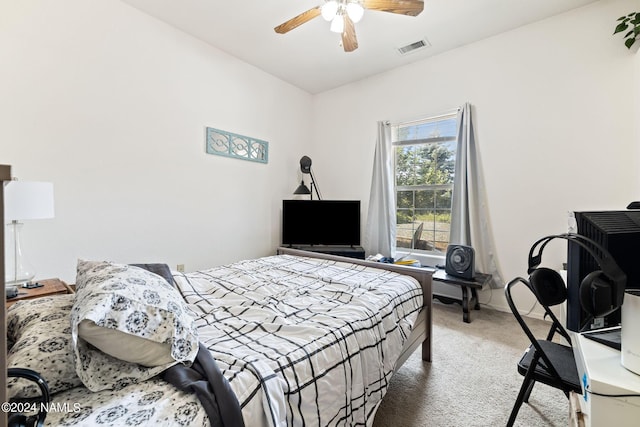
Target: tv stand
x=346, y=251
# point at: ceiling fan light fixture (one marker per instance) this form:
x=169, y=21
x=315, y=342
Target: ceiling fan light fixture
x=337, y=25
x=329, y=10
x=355, y=11
x=343, y=14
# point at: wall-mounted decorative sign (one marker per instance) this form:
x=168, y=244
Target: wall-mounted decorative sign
x=237, y=146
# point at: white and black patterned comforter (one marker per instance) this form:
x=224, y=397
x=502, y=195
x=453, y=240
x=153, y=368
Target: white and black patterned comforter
x=303, y=342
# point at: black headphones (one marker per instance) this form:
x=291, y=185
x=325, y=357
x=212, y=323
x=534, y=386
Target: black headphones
x=601, y=291
x=21, y=420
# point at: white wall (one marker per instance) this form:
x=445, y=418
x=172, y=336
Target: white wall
x=111, y=106
x=556, y=125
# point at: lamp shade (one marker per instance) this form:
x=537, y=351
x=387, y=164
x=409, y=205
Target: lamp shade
x=337, y=24
x=329, y=10
x=302, y=189
x=355, y=11
x=28, y=200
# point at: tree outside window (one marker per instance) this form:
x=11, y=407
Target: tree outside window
x=425, y=155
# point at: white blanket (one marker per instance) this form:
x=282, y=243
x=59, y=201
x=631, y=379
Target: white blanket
x=317, y=339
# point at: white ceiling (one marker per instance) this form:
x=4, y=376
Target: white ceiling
x=310, y=56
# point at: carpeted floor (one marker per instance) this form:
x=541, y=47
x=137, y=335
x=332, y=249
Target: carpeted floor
x=472, y=380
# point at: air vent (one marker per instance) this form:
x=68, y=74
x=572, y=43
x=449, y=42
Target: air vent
x=412, y=47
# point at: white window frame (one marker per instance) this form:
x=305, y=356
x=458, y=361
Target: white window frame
x=426, y=257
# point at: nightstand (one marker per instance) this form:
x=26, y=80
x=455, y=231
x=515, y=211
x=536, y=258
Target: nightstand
x=51, y=287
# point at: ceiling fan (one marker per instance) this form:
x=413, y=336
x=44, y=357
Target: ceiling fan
x=344, y=13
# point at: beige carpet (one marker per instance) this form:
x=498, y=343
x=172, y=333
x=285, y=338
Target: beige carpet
x=472, y=380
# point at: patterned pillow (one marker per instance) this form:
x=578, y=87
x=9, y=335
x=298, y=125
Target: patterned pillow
x=127, y=325
x=40, y=339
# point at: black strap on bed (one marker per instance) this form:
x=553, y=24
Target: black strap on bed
x=205, y=380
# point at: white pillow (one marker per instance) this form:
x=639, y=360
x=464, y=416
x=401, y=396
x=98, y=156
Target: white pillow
x=128, y=347
x=127, y=325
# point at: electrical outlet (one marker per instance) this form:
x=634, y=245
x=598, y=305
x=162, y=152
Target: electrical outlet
x=180, y=268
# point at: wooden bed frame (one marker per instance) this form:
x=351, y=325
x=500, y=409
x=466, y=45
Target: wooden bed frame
x=422, y=275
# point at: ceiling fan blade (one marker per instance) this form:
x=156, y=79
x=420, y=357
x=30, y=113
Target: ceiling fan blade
x=403, y=7
x=349, y=40
x=298, y=20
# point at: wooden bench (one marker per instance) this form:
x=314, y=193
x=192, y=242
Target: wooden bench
x=478, y=282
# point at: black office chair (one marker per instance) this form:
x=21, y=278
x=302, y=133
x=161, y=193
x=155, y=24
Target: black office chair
x=544, y=361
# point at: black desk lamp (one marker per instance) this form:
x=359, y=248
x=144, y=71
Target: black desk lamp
x=305, y=167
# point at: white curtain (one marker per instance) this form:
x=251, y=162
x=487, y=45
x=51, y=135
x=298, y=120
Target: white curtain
x=380, y=231
x=470, y=224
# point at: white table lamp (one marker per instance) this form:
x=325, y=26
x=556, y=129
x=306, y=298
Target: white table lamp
x=23, y=200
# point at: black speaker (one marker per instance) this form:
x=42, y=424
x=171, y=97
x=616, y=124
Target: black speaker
x=460, y=261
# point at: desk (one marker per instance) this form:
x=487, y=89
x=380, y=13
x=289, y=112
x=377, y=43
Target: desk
x=603, y=378
x=478, y=282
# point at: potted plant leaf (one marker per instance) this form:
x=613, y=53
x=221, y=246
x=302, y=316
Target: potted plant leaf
x=632, y=21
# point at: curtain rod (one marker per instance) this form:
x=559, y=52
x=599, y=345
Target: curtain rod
x=408, y=122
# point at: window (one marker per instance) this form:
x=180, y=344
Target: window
x=425, y=156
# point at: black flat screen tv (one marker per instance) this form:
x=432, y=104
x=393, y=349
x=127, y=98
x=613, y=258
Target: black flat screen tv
x=321, y=222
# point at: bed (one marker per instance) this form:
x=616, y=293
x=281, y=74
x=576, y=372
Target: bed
x=300, y=338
